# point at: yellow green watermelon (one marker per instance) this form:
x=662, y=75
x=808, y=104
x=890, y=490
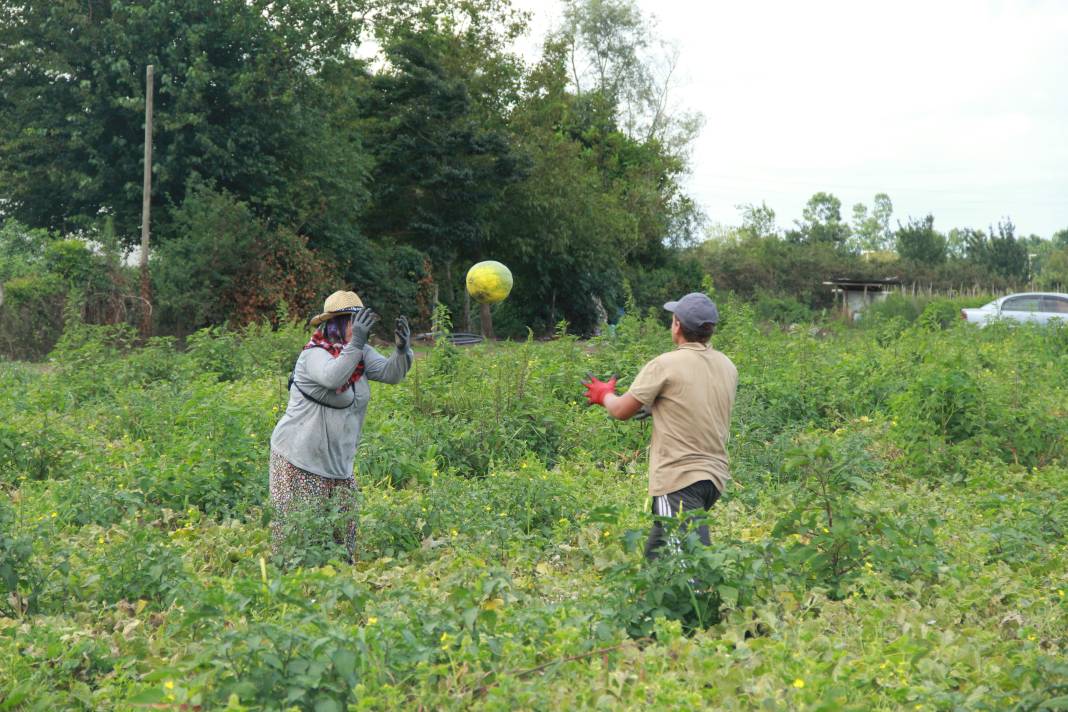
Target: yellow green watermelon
x=489, y=282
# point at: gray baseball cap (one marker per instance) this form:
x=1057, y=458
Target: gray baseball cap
x=694, y=311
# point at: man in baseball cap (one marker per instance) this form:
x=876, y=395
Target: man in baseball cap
x=690, y=393
x=695, y=311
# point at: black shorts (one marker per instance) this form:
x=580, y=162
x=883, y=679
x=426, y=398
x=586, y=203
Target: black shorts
x=698, y=496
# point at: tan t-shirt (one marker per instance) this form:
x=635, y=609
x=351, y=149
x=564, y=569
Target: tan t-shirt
x=691, y=392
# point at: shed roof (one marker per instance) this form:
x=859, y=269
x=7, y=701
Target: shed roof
x=870, y=284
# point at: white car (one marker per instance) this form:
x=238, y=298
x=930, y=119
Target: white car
x=1033, y=307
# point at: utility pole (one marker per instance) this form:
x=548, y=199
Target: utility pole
x=146, y=207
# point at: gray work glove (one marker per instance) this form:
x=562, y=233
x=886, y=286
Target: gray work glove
x=643, y=413
x=361, y=327
x=402, y=334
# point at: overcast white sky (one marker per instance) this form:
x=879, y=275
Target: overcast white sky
x=954, y=107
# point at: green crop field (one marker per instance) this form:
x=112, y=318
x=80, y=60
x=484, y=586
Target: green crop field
x=895, y=537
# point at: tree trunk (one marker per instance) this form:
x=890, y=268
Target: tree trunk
x=487, y=322
x=467, y=311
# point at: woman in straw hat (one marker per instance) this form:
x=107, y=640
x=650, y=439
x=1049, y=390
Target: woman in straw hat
x=314, y=444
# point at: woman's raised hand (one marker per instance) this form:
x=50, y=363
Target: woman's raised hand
x=402, y=334
x=361, y=326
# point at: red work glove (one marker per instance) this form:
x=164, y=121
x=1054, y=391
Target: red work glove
x=597, y=390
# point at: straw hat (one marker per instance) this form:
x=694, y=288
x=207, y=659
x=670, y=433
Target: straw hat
x=338, y=303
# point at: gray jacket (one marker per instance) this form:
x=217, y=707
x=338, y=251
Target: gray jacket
x=323, y=440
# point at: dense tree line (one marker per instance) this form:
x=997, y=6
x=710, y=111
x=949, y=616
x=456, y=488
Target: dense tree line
x=383, y=144
x=758, y=257
x=387, y=145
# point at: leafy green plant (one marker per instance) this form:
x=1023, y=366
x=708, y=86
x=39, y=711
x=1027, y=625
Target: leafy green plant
x=690, y=583
x=138, y=562
x=832, y=533
x=20, y=578
x=314, y=533
x=307, y=667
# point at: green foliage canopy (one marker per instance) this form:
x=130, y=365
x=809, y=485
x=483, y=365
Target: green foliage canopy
x=244, y=99
x=917, y=240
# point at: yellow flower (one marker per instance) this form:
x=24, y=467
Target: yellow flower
x=372, y=620
x=799, y=683
x=55, y=514
x=169, y=684
x=100, y=540
x=1060, y=592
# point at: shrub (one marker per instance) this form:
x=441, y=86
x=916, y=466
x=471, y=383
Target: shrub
x=31, y=317
x=781, y=310
x=224, y=264
x=71, y=260
x=895, y=306
x=942, y=313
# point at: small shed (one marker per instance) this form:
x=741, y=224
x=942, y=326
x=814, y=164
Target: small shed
x=852, y=296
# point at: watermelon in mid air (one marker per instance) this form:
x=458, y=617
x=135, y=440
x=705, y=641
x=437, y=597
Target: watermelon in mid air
x=489, y=282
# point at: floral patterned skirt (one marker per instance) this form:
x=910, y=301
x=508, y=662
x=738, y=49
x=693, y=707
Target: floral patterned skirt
x=295, y=489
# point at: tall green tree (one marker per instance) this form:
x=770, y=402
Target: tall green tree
x=1054, y=273
x=598, y=205
x=821, y=223
x=1000, y=252
x=758, y=221
x=958, y=241
x=246, y=99
x=564, y=229
x=615, y=60
x=917, y=240
x=439, y=167
x=1060, y=238
x=871, y=230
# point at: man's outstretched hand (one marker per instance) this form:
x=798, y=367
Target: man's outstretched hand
x=597, y=390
